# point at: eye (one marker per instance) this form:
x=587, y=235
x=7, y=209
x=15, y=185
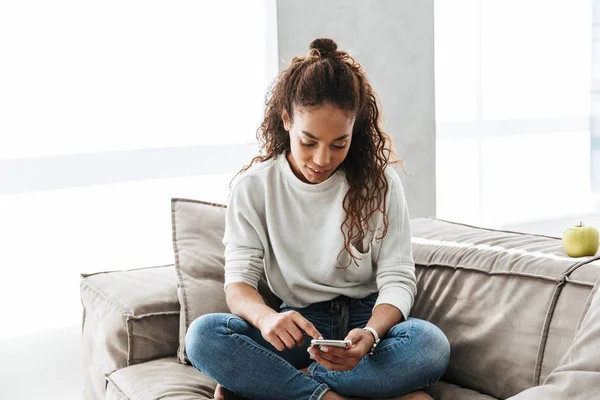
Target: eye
x=307, y=144
x=342, y=147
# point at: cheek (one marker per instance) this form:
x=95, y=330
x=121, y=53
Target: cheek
x=299, y=152
x=340, y=157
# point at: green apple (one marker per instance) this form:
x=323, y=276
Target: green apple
x=580, y=240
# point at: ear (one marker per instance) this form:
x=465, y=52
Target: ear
x=285, y=117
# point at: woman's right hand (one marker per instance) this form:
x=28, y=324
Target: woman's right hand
x=284, y=330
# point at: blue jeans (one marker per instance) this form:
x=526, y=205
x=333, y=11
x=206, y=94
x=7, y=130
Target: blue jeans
x=413, y=354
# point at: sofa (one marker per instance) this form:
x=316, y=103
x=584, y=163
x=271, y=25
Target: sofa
x=522, y=317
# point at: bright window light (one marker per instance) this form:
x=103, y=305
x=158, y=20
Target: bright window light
x=79, y=76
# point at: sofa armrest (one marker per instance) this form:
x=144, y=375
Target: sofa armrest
x=129, y=317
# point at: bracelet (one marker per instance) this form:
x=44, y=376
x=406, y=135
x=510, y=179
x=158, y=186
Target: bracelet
x=375, y=335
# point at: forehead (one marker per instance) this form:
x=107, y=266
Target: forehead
x=324, y=121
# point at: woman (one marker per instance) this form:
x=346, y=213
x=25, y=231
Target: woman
x=323, y=217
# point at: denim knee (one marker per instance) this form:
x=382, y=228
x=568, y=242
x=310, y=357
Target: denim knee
x=439, y=351
x=201, y=330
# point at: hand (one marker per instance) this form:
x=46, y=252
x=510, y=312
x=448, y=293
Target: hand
x=338, y=359
x=284, y=330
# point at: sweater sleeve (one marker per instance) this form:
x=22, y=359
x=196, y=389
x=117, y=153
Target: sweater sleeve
x=244, y=250
x=395, y=274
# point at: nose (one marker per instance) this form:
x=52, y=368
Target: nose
x=322, y=157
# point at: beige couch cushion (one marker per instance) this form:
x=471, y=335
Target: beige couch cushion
x=578, y=374
x=129, y=317
x=570, y=307
x=160, y=379
x=447, y=391
x=198, y=229
x=501, y=298
x=168, y=379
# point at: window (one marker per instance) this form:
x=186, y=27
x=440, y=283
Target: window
x=107, y=111
x=512, y=111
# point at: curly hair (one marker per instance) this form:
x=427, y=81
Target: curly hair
x=329, y=76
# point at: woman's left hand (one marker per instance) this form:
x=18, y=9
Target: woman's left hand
x=338, y=359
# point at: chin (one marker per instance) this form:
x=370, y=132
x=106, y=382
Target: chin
x=315, y=179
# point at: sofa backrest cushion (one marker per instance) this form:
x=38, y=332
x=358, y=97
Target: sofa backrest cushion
x=198, y=229
x=501, y=298
x=578, y=373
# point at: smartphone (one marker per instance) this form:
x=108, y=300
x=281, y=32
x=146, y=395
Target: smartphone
x=334, y=343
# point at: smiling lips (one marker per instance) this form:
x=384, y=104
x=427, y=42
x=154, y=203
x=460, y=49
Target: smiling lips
x=318, y=172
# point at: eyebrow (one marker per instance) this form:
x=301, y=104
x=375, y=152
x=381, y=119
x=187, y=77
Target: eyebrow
x=310, y=135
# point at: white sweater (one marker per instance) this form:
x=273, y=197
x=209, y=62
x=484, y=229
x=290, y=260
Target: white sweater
x=291, y=230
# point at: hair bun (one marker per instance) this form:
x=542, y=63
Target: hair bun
x=324, y=46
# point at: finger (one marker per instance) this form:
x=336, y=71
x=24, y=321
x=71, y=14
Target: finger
x=354, y=335
x=337, y=352
x=305, y=325
x=330, y=365
x=358, y=340
x=344, y=362
x=355, y=353
x=334, y=358
x=295, y=332
x=276, y=342
x=271, y=335
x=287, y=339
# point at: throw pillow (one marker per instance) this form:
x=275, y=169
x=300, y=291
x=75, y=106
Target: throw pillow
x=198, y=229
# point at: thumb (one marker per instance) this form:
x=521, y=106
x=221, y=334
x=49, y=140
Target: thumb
x=354, y=336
